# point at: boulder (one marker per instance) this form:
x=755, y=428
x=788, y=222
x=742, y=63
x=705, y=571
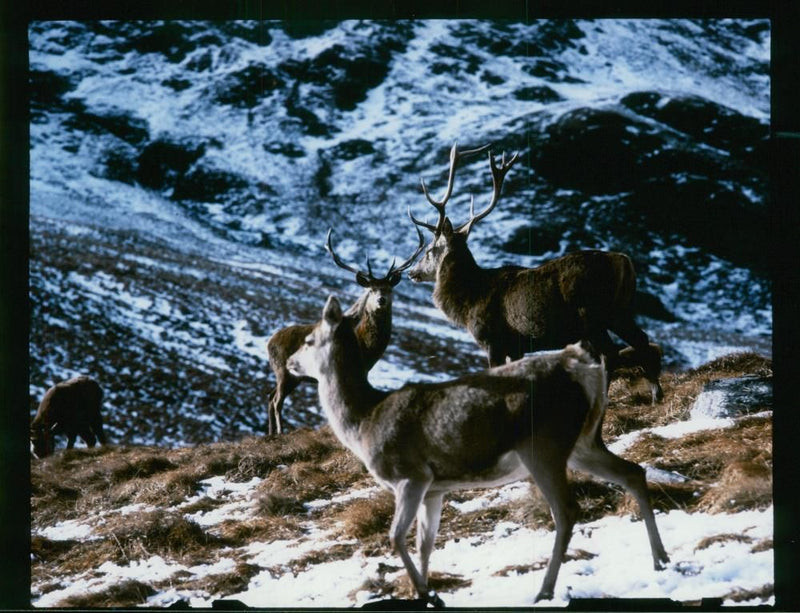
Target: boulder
x=733, y=397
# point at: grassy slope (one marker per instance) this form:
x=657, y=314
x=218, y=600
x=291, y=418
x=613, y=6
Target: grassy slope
x=729, y=470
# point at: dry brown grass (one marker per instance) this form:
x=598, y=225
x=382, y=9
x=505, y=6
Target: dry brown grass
x=238, y=533
x=125, y=594
x=762, y=594
x=366, y=518
x=629, y=405
x=220, y=584
x=727, y=470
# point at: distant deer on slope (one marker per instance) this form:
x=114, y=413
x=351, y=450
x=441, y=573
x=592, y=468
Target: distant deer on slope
x=532, y=417
x=372, y=311
x=512, y=310
x=71, y=407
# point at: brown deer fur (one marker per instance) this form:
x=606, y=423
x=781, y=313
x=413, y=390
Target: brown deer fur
x=70, y=407
x=513, y=310
x=372, y=312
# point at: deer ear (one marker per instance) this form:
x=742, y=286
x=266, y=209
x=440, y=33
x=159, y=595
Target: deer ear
x=362, y=279
x=332, y=313
x=395, y=278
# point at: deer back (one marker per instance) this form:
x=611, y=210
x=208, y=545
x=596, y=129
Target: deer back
x=464, y=430
x=566, y=298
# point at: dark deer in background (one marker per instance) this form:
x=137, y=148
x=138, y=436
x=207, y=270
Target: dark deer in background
x=513, y=310
x=70, y=407
x=531, y=417
x=372, y=311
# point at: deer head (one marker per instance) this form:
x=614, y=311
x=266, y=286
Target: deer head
x=379, y=289
x=315, y=352
x=445, y=236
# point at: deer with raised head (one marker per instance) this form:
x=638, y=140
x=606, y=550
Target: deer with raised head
x=513, y=310
x=535, y=416
x=372, y=311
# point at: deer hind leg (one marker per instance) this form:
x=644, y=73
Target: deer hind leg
x=428, y=517
x=597, y=460
x=97, y=428
x=88, y=437
x=409, y=495
x=548, y=466
x=286, y=384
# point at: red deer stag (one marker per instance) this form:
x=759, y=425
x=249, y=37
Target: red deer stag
x=73, y=408
x=513, y=310
x=535, y=416
x=373, y=311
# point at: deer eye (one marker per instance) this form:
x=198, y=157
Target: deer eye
x=309, y=340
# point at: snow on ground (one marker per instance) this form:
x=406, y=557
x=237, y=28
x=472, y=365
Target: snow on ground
x=711, y=555
x=611, y=559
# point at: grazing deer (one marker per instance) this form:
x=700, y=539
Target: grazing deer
x=70, y=407
x=373, y=311
x=532, y=417
x=513, y=310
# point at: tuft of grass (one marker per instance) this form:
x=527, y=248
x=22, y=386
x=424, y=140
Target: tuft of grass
x=260, y=529
x=120, y=595
x=366, y=519
x=743, y=484
x=45, y=550
x=274, y=504
x=163, y=533
x=139, y=467
x=519, y=569
x=222, y=584
x=708, y=541
x=339, y=551
x=762, y=594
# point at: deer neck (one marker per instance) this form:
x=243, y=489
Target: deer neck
x=460, y=284
x=346, y=395
x=357, y=308
x=373, y=332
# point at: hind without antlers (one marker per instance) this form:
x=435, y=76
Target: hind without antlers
x=372, y=312
x=513, y=310
x=535, y=416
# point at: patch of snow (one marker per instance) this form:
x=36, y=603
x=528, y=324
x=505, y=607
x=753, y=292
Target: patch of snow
x=69, y=530
x=316, y=505
x=507, y=493
x=238, y=497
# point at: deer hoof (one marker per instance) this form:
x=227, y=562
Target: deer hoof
x=660, y=563
x=433, y=599
x=544, y=595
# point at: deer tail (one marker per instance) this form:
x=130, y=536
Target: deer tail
x=588, y=368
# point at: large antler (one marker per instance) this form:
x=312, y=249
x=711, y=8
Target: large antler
x=369, y=276
x=498, y=175
x=407, y=264
x=439, y=205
